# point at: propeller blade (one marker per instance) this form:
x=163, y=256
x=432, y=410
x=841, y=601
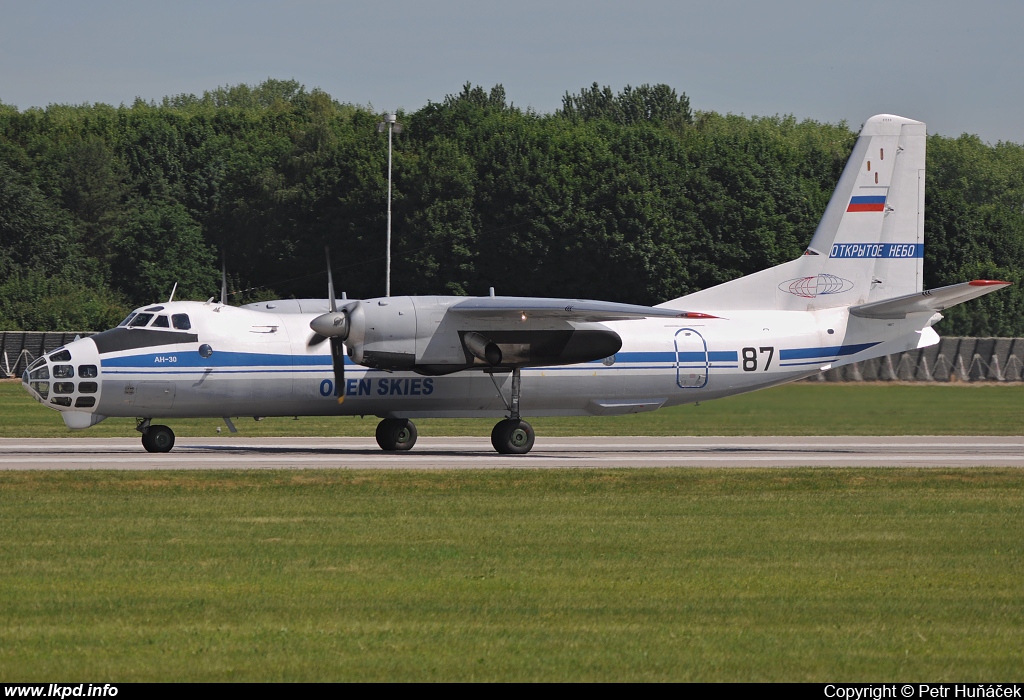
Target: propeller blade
x=315, y=340
x=331, y=305
x=223, y=282
x=338, y=362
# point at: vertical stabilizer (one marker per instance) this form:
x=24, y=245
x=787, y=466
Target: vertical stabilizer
x=869, y=244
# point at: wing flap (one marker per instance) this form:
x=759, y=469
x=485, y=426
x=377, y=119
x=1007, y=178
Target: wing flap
x=932, y=300
x=580, y=310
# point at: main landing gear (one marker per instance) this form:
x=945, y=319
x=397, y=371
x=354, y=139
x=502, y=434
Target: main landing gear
x=394, y=434
x=512, y=436
x=155, y=438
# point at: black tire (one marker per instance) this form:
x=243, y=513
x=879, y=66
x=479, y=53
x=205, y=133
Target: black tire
x=513, y=437
x=159, y=438
x=396, y=434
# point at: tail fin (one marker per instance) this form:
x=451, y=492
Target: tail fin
x=869, y=245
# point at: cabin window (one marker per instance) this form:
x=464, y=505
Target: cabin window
x=160, y=322
x=85, y=402
x=87, y=371
x=62, y=356
x=63, y=371
x=181, y=322
x=127, y=319
x=140, y=320
x=63, y=387
x=87, y=387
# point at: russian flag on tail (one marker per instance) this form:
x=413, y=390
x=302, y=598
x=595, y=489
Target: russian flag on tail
x=869, y=203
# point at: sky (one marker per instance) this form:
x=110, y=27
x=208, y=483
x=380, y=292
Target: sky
x=957, y=66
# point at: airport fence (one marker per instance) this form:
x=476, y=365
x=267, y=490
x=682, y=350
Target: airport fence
x=951, y=360
x=18, y=349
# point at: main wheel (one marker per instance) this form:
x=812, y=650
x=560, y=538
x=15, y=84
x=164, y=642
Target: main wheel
x=396, y=434
x=159, y=438
x=512, y=437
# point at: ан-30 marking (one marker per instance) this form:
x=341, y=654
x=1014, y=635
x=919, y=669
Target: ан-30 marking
x=750, y=358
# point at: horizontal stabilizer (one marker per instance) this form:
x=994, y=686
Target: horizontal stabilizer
x=580, y=310
x=931, y=300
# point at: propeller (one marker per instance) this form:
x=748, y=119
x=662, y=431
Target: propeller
x=223, y=282
x=337, y=342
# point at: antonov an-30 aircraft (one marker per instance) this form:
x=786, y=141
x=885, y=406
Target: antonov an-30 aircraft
x=856, y=293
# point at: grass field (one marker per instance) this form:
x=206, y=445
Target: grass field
x=666, y=574
x=647, y=574
x=795, y=409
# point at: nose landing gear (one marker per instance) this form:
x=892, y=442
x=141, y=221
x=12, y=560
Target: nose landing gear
x=155, y=438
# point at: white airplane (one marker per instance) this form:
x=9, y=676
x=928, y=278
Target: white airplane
x=856, y=293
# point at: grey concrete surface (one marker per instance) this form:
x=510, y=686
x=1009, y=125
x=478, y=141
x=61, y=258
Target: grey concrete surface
x=549, y=452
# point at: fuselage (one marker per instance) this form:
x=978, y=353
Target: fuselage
x=193, y=359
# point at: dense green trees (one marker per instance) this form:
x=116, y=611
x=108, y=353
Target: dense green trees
x=627, y=196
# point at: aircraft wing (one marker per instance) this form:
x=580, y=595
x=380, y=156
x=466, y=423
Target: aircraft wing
x=930, y=300
x=581, y=310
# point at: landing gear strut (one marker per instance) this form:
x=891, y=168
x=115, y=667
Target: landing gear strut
x=396, y=434
x=513, y=436
x=155, y=438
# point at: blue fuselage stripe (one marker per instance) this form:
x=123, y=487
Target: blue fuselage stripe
x=831, y=351
x=238, y=362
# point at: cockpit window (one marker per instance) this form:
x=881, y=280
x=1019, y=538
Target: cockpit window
x=140, y=320
x=160, y=322
x=155, y=308
x=38, y=361
x=62, y=356
x=181, y=322
x=63, y=371
x=129, y=318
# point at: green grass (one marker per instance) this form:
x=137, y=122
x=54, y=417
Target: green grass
x=795, y=409
x=666, y=574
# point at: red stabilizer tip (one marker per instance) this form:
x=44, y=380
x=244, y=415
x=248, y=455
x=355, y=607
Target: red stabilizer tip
x=986, y=283
x=697, y=314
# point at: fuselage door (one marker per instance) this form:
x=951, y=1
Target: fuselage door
x=691, y=359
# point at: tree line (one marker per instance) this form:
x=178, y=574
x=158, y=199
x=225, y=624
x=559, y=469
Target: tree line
x=628, y=196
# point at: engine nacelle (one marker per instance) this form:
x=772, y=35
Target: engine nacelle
x=417, y=333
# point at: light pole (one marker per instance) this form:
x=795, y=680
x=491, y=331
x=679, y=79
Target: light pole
x=392, y=126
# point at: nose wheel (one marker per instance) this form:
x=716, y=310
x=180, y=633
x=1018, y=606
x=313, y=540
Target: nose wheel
x=157, y=438
x=394, y=434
